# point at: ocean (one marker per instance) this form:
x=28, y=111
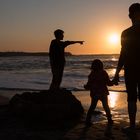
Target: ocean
x=34, y=73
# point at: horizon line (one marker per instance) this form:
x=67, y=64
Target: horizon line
x=32, y=52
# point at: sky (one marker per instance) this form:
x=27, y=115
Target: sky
x=28, y=25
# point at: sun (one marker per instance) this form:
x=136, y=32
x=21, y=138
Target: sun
x=113, y=39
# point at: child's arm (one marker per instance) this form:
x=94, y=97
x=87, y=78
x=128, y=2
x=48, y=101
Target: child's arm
x=73, y=42
x=87, y=86
x=109, y=82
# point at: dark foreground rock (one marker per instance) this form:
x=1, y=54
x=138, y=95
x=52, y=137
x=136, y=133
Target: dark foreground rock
x=48, y=106
x=39, y=116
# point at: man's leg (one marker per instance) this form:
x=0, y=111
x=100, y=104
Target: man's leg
x=132, y=90
x=132, y=109
x=139, y=90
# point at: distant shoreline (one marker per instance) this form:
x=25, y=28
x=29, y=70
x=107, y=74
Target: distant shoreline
x=7, y=54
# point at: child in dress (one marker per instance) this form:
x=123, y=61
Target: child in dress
x=98, y=80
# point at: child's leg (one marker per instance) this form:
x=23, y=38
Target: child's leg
x=107, y=109
x=91, y=109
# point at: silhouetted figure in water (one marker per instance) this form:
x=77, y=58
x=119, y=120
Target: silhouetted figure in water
x=98, y=80
x=57, y=57
x=129, y=58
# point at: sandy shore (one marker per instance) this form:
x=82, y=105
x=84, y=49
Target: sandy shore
x=98, y=131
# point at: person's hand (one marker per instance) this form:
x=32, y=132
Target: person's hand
x=115, y=79
x=86, y=87
x=81, y=42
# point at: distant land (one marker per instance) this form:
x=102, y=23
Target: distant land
x=7, y=54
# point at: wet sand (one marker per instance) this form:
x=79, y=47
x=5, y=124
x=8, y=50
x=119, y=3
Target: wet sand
x=98, y=131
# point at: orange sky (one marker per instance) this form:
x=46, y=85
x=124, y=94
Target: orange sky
x=29, y=25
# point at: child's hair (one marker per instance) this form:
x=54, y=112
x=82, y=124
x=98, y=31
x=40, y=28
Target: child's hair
x=58, y=32
x=97, y=65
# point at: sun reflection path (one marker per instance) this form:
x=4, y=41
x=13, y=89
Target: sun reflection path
x=114, y=59
x=113, y=98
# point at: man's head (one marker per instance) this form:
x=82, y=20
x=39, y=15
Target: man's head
x=134, y=11
x=59, y=34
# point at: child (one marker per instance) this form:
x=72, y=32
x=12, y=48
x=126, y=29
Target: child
x=57, y=57
x=98, y=80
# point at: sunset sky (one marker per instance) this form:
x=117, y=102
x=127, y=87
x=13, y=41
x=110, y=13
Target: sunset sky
x=28, y=25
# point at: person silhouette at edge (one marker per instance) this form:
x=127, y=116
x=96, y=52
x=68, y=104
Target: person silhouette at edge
x=129, y=57
x=57, y=57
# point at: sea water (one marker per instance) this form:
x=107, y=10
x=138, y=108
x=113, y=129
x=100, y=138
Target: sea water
x=23, y=73
x=34, y=72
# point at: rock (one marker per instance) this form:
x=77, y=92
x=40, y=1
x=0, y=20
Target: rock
x=47, y=106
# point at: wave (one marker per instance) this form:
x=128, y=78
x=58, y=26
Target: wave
x=42, y=62
x=34, y=72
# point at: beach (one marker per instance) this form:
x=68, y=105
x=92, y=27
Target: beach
x=98, y=131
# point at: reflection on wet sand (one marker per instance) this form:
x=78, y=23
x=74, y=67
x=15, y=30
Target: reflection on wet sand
x=117, y=103
x=117, y=100
x=113, y=99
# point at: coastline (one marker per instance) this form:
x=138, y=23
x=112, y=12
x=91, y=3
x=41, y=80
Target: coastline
x=99, y=130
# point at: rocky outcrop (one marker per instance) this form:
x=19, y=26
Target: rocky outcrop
x=51, y=106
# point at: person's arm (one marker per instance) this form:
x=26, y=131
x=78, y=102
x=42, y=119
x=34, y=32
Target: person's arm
x=120, y=61
x=120, y=64
x=73, y=42
x=87, y=86
x=107, y=79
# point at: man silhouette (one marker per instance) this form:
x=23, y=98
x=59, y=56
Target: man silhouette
x=57, y=57
x=129, y=58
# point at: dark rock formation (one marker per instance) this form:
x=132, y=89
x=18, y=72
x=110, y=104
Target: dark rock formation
x=47, y=106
